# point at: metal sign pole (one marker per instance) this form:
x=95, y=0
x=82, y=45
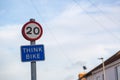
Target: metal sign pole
x=33, y=70
x=32, y=31
x=33, y=63
x=33, y=66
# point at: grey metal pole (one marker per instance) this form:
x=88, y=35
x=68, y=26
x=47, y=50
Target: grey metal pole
x=103, y=68
x=33, y=63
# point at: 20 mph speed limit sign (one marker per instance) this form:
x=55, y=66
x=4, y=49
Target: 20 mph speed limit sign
x=32, y=31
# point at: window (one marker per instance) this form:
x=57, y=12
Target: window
x=102, y=76
x=98, y=78
x=118, y=72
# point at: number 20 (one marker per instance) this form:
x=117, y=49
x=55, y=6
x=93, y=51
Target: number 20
x=31, y=30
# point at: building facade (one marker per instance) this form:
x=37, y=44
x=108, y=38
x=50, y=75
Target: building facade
x=112, y=70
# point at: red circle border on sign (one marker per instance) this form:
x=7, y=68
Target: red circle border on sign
x=24, y=34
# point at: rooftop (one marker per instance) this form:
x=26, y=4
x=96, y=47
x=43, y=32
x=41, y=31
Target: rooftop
x=108, y=61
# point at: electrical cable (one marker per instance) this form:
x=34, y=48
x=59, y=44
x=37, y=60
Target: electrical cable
x=49, y=30
x=101, y=11
x=101, y=25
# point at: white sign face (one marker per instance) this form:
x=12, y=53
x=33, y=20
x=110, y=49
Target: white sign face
x=32, y=31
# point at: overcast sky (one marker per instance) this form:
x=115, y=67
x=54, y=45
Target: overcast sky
x=75, y=34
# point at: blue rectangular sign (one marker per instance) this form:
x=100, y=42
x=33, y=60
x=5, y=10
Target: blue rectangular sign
x=32, y=53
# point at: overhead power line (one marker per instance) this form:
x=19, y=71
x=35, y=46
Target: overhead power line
x=49, y=30
x=101, y=25
x=101, y=11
